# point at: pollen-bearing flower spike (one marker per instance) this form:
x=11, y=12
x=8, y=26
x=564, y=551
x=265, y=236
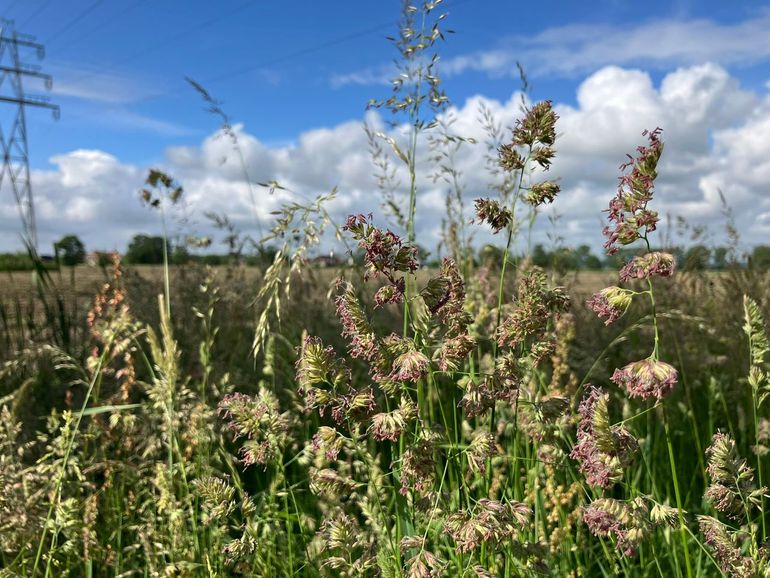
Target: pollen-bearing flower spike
x=489, y=211
x=602, y=449
x=646, y=378
x=611, y=303
x=656, y=264
x=628, y=213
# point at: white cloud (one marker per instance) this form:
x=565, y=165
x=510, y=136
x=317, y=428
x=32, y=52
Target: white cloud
x=366, y=77
x=94, y=85
x=584, y=48
x=715, y=134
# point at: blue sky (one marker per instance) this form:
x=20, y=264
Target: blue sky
x=288, y=71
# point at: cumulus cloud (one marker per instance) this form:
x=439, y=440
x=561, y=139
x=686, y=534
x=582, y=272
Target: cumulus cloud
x=583, y=48
x=715, y=133
x=93, y=85
x=579, y=48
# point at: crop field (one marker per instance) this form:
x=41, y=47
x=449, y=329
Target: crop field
x=481, y=412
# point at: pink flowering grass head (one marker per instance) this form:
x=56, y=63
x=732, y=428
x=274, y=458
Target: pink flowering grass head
x=611, y=303
x=646, y=378
x=628, y=213
x=602, y=449
x=385, y=254
x=489, y=211
x=655, y=264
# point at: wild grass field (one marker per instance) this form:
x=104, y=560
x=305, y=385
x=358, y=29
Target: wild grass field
x=484, y=417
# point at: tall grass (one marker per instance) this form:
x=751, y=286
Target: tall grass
x=401, y=421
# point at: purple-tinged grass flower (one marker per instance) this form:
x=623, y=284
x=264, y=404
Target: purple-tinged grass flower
x=602, y=450
x=384, y=251
x=492, y=523
x=628, y=209
x=537, y=126
x=646, y=378
x=418, y=464
x=732, y=486
x=536, y=303
x=628, y=522
x=481, y=448
x=390, y=426
x=727, y=552
x=390, y=293
x=328, y=441
x=510, y=158
x=479, y=396
x=444, y=297
x=355, y=326
x=424, y=563
x=410, y=366
x=611, y=303
x=541, y=193
x=655, y=264
x=490, y=212
x=384, y=254
x=453, y=351
x=259, y=420
x=543, y=155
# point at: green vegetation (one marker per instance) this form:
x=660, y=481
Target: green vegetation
x=70, y=251
x=480, y=417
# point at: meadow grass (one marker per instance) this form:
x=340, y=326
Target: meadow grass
x=389, y=419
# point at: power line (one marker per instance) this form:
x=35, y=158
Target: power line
x=250, y=68
x=165, y=42
x=35, y=14
x=102, y=25
x=75, y=20
x=309, y=50
x=9, y=8
x=296, y=53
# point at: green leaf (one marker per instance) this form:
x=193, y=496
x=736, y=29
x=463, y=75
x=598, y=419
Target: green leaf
x=110, y=408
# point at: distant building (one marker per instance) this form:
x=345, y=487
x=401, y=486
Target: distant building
x=98, y=258
x=325, y=261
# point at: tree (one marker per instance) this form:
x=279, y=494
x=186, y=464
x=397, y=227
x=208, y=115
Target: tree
x=541, y=256
x=720, y=257
x=70, y=250
x=760, y=257
x=145, y=250
x=697, y=257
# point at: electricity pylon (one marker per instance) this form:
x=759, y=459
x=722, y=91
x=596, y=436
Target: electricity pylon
x=14, y=173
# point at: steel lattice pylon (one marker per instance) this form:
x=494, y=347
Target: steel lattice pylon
x=14, y=173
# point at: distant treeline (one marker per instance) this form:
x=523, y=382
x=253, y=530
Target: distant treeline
x=148, y=250
x=693, y=258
